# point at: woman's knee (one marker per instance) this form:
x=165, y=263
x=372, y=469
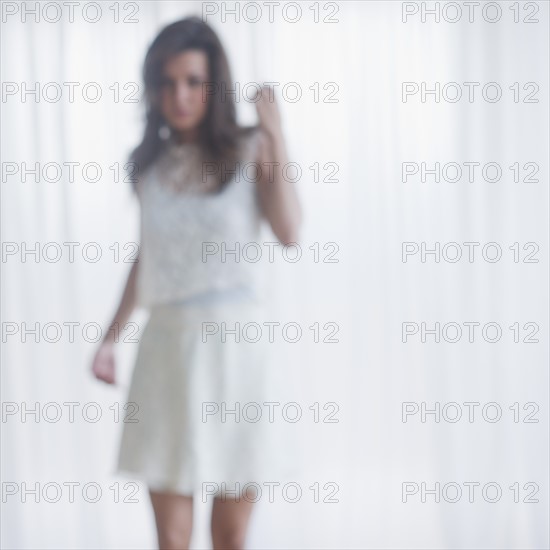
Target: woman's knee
x=174, y=519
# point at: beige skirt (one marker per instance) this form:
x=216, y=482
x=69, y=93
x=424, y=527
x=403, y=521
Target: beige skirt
x=206, y=397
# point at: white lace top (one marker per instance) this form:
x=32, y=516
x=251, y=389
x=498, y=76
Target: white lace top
x=188, y=233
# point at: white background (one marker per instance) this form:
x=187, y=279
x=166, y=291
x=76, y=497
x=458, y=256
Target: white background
x=369, y=212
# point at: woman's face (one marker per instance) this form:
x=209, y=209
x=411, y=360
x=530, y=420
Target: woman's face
x=181, y=95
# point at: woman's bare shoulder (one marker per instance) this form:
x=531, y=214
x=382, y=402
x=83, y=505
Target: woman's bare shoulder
x=249, y=133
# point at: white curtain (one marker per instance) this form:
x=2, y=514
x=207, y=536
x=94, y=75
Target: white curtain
x=373, y=372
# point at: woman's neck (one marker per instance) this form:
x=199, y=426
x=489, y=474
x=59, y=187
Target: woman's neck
x=186, y=136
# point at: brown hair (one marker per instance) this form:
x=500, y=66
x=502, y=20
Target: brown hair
x=219, y=132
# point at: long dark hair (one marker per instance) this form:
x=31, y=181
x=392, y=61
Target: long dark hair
x=219, y=132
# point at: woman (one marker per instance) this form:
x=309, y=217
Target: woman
x=193, y=200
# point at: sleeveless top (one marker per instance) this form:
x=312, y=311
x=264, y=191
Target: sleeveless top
x=192, y=239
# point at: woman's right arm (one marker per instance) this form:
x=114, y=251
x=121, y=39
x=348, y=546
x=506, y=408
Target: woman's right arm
x=103, y=365
x=126, y=307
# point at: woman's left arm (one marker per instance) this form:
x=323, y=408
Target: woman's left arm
x=278, y=198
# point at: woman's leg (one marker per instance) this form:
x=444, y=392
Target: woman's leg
x=174, y=518
x=230, y=523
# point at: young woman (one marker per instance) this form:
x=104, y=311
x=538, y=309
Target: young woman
x=197, y=206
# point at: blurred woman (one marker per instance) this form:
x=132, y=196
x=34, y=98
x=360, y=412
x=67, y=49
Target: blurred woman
x=198, y=210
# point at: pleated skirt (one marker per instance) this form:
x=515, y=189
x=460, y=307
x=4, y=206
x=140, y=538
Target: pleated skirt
x=200, y=383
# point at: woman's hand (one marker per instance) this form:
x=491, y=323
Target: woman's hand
x=103, y=366
x=268, y=112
